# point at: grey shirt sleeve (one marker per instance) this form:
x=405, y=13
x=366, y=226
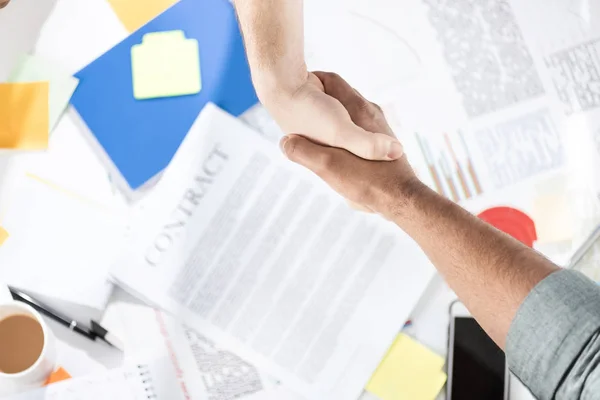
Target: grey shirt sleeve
x=553, y=345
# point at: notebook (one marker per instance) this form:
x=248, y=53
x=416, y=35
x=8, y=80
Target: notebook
x=141, y=136
x=156, y=380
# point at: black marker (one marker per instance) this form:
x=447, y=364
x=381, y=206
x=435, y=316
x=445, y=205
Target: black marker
x=97, y=331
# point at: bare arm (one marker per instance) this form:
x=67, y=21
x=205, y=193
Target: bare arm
x=491, y=272
x=273, y=33
x=274, y=37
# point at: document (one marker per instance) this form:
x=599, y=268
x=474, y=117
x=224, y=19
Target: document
x=208, y=371
x=64, y=224
x=259, y=255
x=140, y=381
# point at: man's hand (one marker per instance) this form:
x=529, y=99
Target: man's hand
x=4, y=3
x=273, y=33
x=313, y=110
x=375, y=186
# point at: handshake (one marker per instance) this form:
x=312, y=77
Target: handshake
x=346, y=140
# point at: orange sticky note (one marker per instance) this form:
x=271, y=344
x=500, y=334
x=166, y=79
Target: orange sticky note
x=57, y=376
x=24, y=115
x=136, y=13
x=3, y=235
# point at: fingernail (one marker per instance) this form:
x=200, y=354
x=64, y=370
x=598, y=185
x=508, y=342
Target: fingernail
x=282, y=144
x=396, y=151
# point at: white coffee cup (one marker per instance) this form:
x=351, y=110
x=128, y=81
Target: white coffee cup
x=35, y=375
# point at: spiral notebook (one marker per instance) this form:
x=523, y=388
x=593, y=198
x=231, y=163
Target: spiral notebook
x=154, y=381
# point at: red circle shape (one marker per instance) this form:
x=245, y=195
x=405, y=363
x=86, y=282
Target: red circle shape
x=513, y=222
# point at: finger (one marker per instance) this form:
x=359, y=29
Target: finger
x=316, y=157
x=343, y=171
x=367, y=145
x=337, y=87
x=363, y=113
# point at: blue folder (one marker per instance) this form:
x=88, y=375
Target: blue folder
x=141, y=136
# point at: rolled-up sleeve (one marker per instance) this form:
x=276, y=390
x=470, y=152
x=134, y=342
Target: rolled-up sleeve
x=553, y=345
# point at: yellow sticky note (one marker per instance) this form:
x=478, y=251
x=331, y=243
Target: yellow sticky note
x=24, y=115
x=3, y=235
x=136, y=13
x=553, y=219
x=409, y=371
x=165, y=64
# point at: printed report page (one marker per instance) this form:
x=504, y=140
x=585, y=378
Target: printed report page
x=261, y=256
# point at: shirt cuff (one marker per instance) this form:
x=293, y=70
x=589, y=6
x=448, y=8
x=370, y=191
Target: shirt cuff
x=551, y=328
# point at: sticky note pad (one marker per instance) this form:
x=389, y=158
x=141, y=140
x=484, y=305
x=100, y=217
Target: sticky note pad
x=408, y=371
x=3, y=235
x=139, y=138
x=136, y=13
x=165, y=64
x=24, y=115
x=62, y=85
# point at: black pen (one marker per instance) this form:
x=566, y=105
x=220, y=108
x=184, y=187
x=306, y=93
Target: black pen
x=97, y=330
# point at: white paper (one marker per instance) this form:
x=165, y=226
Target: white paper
x=65, y=227
x=208, y=371
x=59, y=245
x=76, y=33
x=461, y=84
x=306, y=289
x=141, y=381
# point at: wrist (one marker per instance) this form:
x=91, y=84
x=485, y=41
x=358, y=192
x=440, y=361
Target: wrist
x=398, y=201
x=275, y=84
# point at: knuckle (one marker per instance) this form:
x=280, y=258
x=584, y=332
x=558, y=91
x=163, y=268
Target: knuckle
x=363, y=106
x=377, y=107
x=365, y=111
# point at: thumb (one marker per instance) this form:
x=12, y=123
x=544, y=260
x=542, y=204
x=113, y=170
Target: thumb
x=368, y=145
x=317, y=158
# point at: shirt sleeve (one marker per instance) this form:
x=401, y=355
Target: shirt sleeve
x=553, y=344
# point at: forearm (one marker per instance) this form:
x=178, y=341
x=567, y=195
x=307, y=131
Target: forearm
x=490, y=272
x=273, y=33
